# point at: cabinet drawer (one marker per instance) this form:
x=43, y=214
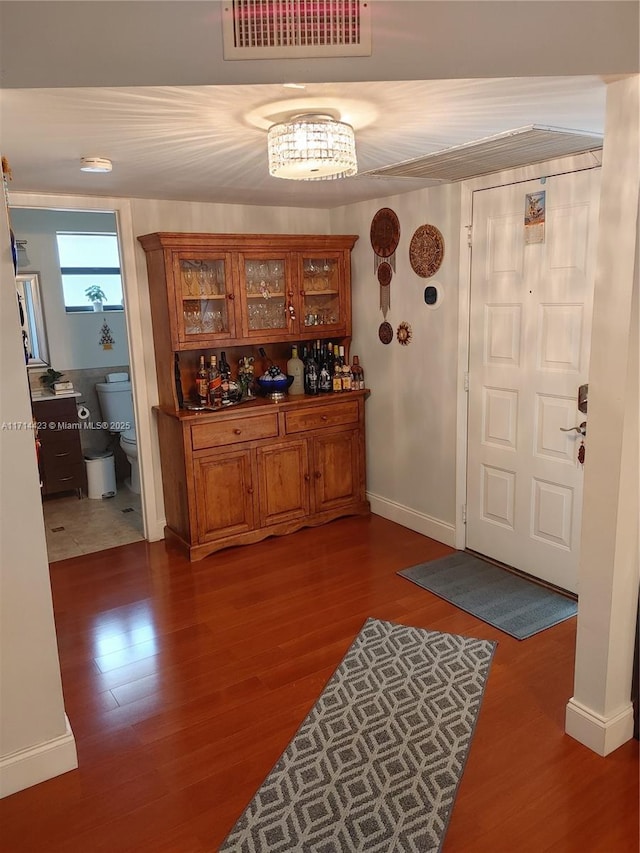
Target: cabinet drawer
x=60, y=440
x=319, y=417
x=61, y=479
x=233, y=431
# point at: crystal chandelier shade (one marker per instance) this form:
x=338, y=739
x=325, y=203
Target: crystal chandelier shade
x=312, y=148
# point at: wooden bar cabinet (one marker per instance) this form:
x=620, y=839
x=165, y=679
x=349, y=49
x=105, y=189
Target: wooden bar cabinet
x=258, y=468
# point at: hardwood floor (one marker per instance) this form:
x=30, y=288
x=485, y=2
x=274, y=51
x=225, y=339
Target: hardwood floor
x=184, y=682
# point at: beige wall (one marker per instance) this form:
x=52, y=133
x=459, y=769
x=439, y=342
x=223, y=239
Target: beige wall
x=411, y=414
x=35, y=742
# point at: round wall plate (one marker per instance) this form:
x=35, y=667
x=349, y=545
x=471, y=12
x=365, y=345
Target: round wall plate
x=385, y=332
x=426, y=250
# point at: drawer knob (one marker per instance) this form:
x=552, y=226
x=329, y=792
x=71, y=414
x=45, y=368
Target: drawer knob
x=249, y=491
x=324, y=418
x=307, y=477
x=317, y=475
x=237, y=432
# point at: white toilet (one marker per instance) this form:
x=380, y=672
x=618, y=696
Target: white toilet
x=116, y=404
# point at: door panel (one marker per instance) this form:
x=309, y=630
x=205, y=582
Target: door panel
x=530, y=327
x=284, y=482
x=336, y=470
x=224, y=494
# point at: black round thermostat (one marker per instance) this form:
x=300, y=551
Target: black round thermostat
x=430, y=294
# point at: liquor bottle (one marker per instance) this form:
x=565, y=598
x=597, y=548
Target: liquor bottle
x=202, y=383
x=330, y=359
x=357, y=373
x=325, y=384
x=295, y=368
x=337, y=369
x=311, y=374
x=266, y=361
x=215, y=383
x=346, y=372
x=225, y=376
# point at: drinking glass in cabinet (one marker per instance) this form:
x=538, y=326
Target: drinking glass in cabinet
x=266, y=314
x=188, y=275
x=276, y=276
x=211, y=277
x=192, y=317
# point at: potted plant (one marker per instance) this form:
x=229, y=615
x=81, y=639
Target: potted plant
x=96, y=295
x=49, y=378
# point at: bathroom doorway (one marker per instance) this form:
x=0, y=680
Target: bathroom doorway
x=87, y=346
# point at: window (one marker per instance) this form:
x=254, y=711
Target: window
x=87, y=259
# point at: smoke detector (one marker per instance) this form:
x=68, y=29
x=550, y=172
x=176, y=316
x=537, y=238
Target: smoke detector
x=95, y=164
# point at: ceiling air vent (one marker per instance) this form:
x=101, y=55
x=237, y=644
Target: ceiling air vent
x=289, y=29
x=521, y=147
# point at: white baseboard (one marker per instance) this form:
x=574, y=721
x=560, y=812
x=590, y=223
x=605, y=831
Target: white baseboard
x=36, y=764
x=600, y=734
x=421, y=523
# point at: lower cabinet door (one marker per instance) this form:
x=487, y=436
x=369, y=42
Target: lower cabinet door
x=283, y=470
x=336, y=470
x=225, y=499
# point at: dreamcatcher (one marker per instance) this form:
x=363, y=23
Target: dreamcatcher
x=385, y=235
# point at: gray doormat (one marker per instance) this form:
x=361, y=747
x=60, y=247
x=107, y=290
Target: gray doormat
x=376, y=764
x=516, y=606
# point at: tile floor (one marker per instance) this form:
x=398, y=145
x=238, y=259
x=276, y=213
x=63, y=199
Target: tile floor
x=75, y=527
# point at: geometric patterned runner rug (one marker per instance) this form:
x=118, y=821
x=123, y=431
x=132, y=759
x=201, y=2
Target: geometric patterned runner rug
x=376, y=764
x=515, y=605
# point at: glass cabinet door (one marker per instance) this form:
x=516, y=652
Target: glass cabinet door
x=266, y=294
x=321, y=298
x=204, y=298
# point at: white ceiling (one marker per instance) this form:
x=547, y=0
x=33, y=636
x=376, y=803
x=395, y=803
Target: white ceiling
x=208, y=142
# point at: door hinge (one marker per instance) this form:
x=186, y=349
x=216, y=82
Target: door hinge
x=464, y=513
x=466, y=382
x=469, y=234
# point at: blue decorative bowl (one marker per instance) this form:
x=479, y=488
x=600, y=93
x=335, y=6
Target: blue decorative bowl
x=275, y=389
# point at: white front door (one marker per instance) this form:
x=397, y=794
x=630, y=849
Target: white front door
x=530, y=330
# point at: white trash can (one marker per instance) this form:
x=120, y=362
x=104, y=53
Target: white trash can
x=101, y=474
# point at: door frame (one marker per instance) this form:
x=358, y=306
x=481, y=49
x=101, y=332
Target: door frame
x=565, y=165
x=151, y=485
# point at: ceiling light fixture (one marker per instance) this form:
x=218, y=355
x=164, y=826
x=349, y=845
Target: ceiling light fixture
x=312, y=148
x=95, y=164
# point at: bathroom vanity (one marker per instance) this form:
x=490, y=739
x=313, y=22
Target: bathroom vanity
x=60, y=459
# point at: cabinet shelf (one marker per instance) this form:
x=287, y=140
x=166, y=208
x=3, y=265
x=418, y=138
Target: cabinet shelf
x=207, y=298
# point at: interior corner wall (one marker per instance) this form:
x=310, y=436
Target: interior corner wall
x=411, y=413
x=36, y=742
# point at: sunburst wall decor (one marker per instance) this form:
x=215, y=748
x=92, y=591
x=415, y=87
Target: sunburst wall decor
x=404, y=334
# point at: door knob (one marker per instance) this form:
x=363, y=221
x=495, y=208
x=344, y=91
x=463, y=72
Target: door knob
x=582, y=429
